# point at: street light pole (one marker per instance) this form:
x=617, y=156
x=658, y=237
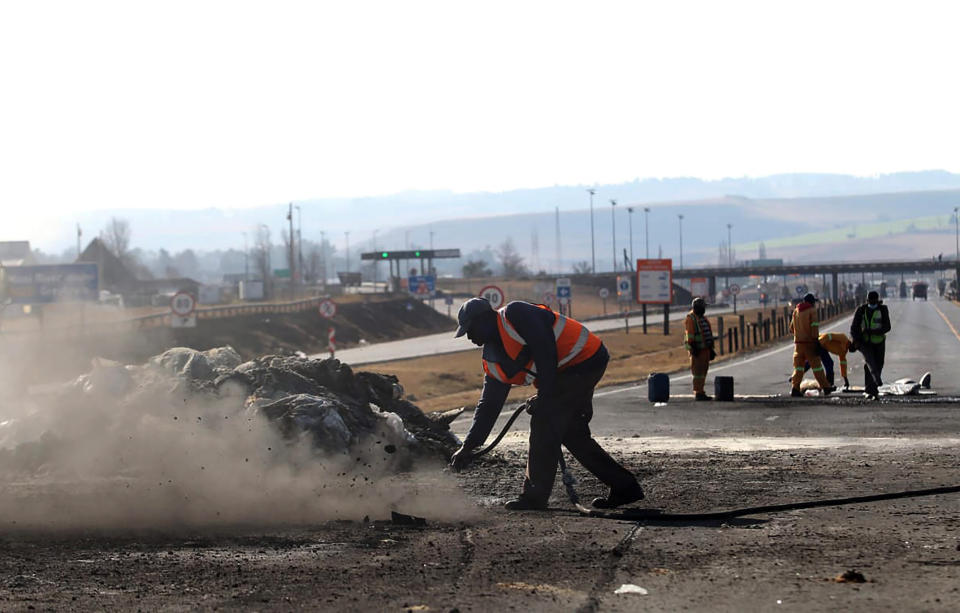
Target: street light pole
x=300, y=244
x=680, y=218
x=593, y=251
x=613, y=219
x=729, y=246
x=347, y=235
x=630, y=225
x=646, y=229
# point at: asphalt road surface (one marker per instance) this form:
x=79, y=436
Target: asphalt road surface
x=472, y=555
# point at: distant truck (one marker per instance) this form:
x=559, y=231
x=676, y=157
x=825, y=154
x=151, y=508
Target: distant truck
x=919, y=291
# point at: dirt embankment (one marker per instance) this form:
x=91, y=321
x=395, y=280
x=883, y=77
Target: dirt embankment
x=45, y=356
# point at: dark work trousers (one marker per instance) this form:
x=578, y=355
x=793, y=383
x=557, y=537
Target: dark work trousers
x=827, y=362
x=873, y=354
x=566, y=421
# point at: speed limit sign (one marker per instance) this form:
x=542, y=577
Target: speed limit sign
x=182, y=304
x=734, y=289
x=604, y=293
x=494, y=296
x=327, y=308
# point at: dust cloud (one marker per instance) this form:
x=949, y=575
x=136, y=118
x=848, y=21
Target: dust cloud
x=88, y=454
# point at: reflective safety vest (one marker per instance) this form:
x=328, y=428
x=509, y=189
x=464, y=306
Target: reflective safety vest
x=697, y=333
x=871, y=322
x=575, y=344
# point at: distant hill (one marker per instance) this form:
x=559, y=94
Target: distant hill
x=760, y=209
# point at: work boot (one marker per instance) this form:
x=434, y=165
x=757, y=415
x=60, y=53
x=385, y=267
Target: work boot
x=524, y=504
x=618, y=498
x=826, y=391
x=702, y=396
x=796, y=393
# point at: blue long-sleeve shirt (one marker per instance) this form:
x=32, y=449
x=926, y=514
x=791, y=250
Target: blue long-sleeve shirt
x=535, y=326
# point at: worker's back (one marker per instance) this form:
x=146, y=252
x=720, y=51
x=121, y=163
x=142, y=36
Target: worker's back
x=804, y=325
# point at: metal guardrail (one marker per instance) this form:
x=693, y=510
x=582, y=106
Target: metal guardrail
x=156, y=320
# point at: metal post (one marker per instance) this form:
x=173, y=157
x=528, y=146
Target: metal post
x=644, y=309
x=613, y=221
x=646, y=229
x=593, y=249
x=630, y=224
x=666, y=320
x=729, y=246
x=680, y=217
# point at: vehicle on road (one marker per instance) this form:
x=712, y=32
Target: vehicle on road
x=920, y=290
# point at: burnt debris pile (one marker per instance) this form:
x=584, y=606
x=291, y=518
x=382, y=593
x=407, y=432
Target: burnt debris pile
x=321, y=404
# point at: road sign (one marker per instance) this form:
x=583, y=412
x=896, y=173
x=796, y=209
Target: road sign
x=183, y=304
x=734, y=289
x=422, y=285
x=183, y=321
x=699, y=286
x=564, y=289
x=801, y=290
x=655, y=281
x=327, y=308
x=604, y=293
x=50, y=283
x=281, y=273
x=624, y=289
x=448, y=300
x=494, y=295
x=549, y=298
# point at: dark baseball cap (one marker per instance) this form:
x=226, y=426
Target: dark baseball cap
x=469, y=311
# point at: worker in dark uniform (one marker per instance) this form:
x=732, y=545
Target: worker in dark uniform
x=526, y=343
x=869, y=329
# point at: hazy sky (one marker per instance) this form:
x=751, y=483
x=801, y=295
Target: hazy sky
x=232, y=104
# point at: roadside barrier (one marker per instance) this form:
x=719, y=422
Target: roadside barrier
x=770, y=325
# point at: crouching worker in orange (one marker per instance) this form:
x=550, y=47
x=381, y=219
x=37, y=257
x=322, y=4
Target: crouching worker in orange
x=839, y=345
x=806, y=333
x=698, y=340
x=528, y=343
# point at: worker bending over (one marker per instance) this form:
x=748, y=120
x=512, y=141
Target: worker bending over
x=869, y=328
x=529, y=343
x=806, y=327
x=698, y=340
x=838, y=344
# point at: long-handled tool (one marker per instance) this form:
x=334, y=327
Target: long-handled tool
x=569, y=481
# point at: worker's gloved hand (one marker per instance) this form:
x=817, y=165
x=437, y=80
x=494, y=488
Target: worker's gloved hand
x=531, y=403
x=713, y=353
x=461, y=458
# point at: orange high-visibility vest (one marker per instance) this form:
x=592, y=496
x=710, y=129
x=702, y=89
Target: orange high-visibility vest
x=574, y=345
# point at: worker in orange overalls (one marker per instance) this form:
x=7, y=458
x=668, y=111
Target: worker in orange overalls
x=805, y=326
x=698, y=340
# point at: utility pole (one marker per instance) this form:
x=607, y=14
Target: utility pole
x=303, y=278
x=323, y=259
x=593, y=250
x=79, y=236
x=246, y=264
x=680, y=218
x=347, y=234
x=557, y=239
x=646, y=228
x=729, y=246
x=290, y=259
x=630, y=225
x=376, y=268
x=613, y=220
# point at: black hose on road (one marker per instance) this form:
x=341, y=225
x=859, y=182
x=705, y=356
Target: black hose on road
x=655, y=514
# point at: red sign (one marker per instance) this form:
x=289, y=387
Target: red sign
x=655, y=281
